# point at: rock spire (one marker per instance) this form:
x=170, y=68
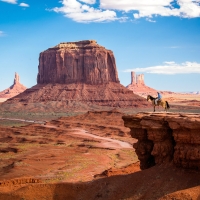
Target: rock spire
x=14, y=89
x=16, y=79
x=138, y=85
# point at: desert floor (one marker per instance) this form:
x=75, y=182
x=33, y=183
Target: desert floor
x=85, y=155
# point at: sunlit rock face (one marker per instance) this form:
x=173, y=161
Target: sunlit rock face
x=77, y=62
x=165, y=138
x=77, y=76
x=139, y=87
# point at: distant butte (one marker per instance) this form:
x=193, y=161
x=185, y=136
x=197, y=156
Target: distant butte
x=14, y=89
x=138, y=86
x=78, y=74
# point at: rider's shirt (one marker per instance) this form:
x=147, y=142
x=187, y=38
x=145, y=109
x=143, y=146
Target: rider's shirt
x=159, y=96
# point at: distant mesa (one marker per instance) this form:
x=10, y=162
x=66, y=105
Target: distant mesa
x=77, y=75
x=138, y=86
x=14, y=89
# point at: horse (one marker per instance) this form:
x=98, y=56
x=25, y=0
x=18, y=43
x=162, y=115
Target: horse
x=161, y=102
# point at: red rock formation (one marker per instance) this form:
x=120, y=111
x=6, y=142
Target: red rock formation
x=77, y=73
x=78, y=96
x=77, y=62
x=138, y=86
x=163, y=138
x=14, y=89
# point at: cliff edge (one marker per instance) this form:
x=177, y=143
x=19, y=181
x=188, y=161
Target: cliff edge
x=165, y=138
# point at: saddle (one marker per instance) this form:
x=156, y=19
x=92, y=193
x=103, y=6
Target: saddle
x=157, y=101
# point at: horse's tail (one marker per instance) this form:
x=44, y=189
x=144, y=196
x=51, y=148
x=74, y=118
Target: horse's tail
x=167, y=105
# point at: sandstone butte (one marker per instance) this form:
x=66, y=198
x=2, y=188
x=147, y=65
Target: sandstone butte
x=75, y=73
x=166, y=138
x=14, y=89
x=139, y=87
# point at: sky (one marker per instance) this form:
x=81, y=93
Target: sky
x=157, y=38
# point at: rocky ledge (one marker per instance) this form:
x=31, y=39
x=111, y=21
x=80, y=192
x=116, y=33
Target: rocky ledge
x=165, y=138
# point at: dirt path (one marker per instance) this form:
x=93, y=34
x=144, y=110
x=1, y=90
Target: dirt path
x=23, y=120
x=104, y=141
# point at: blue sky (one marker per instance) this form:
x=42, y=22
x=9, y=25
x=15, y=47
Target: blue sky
x=159, y=38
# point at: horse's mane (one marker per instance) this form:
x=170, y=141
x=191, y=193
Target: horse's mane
x=150, y=97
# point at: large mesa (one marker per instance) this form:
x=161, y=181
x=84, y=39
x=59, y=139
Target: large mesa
x=77, y=62
x=77, y=75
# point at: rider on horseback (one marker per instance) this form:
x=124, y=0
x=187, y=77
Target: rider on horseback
x=158, y=99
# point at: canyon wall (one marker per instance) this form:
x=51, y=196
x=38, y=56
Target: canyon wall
x=165, y=138
x=77, y=62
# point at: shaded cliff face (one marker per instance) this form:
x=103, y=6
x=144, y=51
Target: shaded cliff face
x=77, y=62
x=163, y=138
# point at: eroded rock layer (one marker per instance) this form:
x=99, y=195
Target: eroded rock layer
x=77, y=62
x=163, y=138
x=111, y=94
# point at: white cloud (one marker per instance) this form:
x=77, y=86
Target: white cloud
x=88, y=1
x=23, y=5
x=169, y=62
x=1, y=33
x=150, y=8
x=170, y=68
x=150, y=20
x=83, y=13
x=10, y=1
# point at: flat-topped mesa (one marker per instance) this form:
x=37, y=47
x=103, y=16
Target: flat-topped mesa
x=84, y=44
x=77, y=62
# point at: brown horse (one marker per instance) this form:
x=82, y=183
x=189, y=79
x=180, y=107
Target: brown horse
x=162, y=103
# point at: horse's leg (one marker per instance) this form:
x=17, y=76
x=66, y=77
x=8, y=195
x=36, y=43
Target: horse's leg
x=165, y=106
